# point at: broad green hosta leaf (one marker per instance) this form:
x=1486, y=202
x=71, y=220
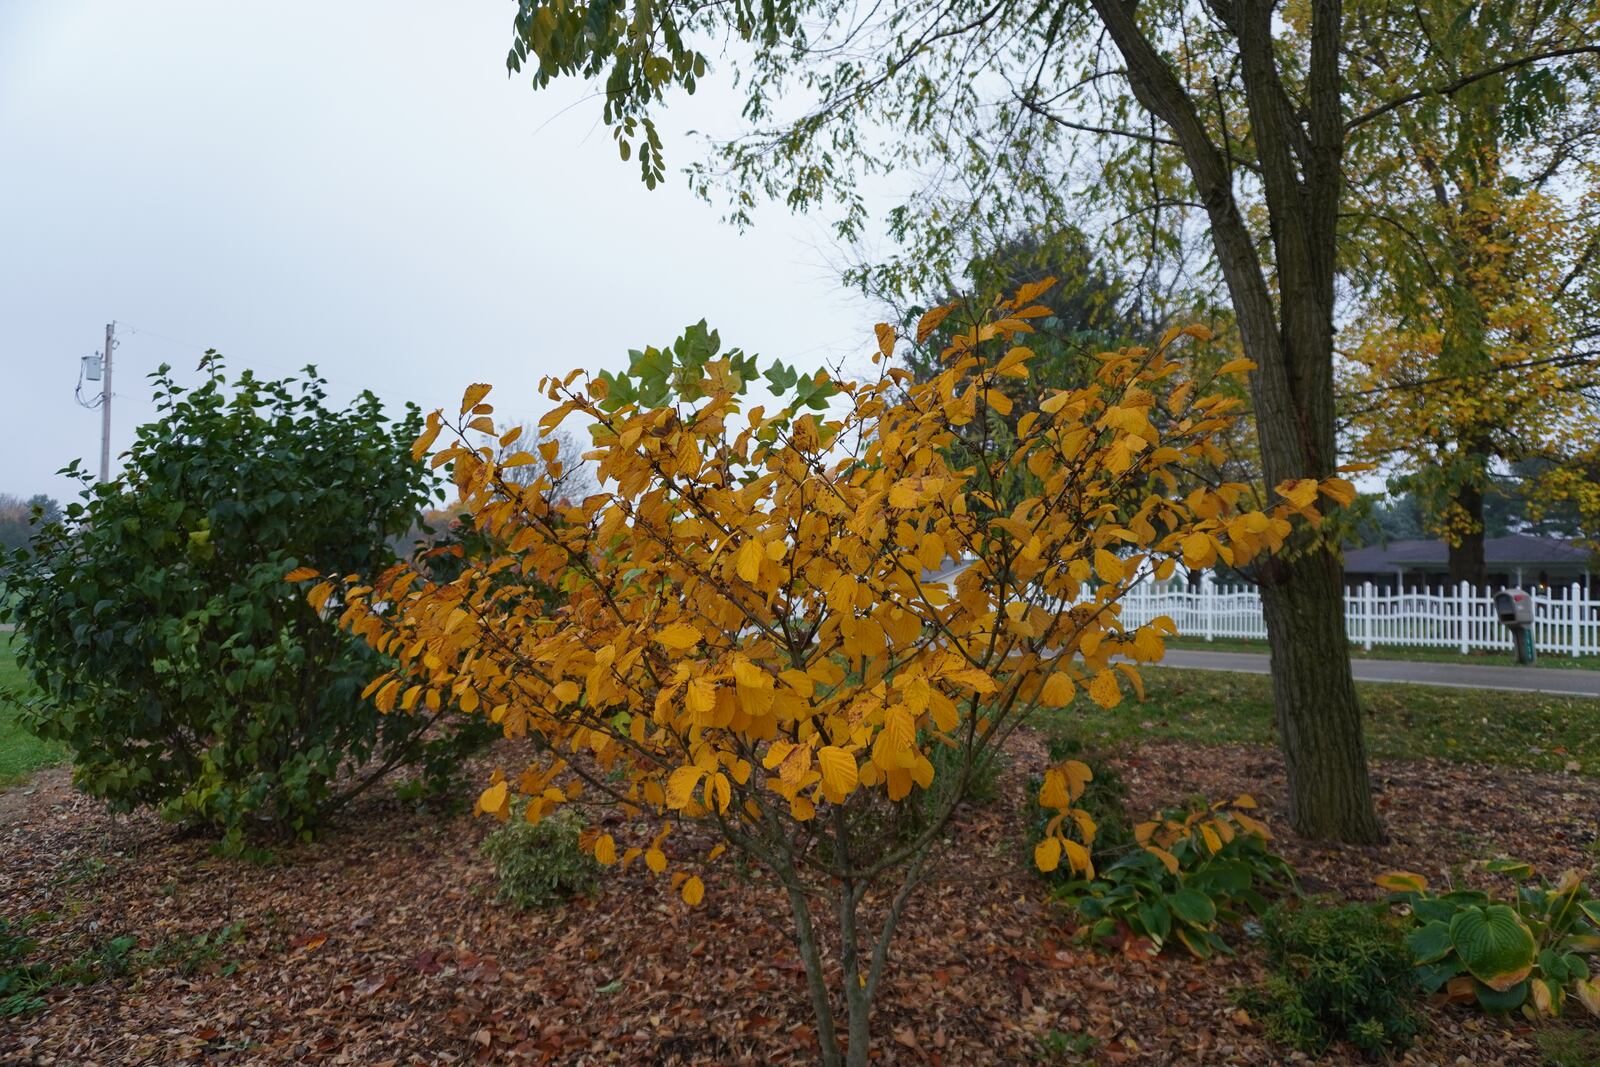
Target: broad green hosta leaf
x=1502, y=1000
x=1515, y=868
x=1494, y=944
x=1430, y=943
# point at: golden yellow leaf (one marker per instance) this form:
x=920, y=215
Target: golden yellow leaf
x=1107, y=566
x=885, y=334
x=1198, y=550
x=605, y=850
x=425, y=440
x=1047, y=854
x=655, y=859
x=301, y=574
x=1104, y=690
x=749, y=560
x=838, y=772
x=1057, y=691
x=679, y=635
x=494, y=800
x=1078, y=857
x=1401, y=882
x=930, y=321
x=680, y=786
x=474, y=394
x=1168, y=860
x=694, y=890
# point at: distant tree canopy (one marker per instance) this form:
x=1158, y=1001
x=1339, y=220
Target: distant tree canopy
x=20, y=518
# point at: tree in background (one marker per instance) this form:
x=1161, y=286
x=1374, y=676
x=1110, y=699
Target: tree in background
x=1223, y=126
x=747, y=657
x=21, y=519
x=1478, y=270
x=170, y=655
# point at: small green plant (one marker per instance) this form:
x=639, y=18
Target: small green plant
x=1338, y=973
x=1195, y=871
x=1527, y=953
x=1065, y=1048
x=1569, y=1046
x=191, y=955
x=20, y=980
x=540, y=864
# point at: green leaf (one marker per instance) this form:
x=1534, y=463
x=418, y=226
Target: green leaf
x=1499, y=1000
x=1515, y=868
x=1495, y=945
x=1430, y=943
x=1193, y=906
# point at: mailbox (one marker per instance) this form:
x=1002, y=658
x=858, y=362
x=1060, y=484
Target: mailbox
x=1514, y=607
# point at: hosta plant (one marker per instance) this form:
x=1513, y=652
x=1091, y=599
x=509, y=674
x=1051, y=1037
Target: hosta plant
x=1192, y=873
x=1529, y=952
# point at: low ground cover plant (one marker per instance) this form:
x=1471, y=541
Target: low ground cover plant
x=1340, y=973
x=1531, y=951
x=539, y=865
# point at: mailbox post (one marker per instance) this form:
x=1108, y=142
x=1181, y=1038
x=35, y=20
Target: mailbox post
x=1515, y=608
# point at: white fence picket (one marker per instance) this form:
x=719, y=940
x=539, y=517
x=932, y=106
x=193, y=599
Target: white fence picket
x=1460, y=618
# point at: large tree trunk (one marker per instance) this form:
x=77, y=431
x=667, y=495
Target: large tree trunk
x=1466, y=554
x=1286, y=322
x=1314, y=699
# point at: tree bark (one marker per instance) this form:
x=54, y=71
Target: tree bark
x=1314, y=699
x=1286, y=323
x=1467, y=562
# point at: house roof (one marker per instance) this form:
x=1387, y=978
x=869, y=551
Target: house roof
x=1513, y=550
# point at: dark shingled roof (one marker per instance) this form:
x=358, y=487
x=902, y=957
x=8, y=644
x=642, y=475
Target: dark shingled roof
x=1511, y=551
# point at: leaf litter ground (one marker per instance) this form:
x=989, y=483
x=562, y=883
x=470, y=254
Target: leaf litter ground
x=380, y=944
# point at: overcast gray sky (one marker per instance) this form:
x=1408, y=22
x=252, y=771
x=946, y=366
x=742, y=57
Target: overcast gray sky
x=356, y=184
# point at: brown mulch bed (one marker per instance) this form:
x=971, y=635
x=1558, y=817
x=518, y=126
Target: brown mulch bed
x=381, y=945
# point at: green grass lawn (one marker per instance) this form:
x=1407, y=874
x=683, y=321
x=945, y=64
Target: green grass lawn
x=21, y=753
x=1420, y=655
x=1536, y=730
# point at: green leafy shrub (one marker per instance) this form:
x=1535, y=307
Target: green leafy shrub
x=540, y=864
x=1194, y=872
x=1529, y=952
x=169, y=653
x=1338, y=973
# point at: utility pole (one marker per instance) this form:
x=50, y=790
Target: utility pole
x=105, y=406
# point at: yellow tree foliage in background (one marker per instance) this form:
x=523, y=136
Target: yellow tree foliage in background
x=1479, y=365
x=749, y=651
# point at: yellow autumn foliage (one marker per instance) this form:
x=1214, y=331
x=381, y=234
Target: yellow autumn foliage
x=749, y=636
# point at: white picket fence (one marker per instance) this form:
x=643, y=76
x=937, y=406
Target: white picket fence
x=1565, y=620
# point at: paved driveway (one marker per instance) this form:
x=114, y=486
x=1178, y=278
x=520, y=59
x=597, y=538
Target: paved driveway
x=1458, y=675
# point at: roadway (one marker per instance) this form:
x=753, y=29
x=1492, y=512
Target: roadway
x=1568, y=682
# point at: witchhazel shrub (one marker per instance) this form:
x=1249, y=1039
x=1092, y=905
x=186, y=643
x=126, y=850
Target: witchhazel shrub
x=171, y=656
x=747, y=655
